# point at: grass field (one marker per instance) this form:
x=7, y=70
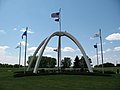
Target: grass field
x=57, y=82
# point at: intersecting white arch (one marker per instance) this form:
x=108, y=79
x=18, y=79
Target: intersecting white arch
x=45, y=42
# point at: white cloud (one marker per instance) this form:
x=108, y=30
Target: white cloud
x=23, y=43
x=108, y=50
x=102, y=43
x=5, y=57
x=31, y=50
x=95, y=57
x=3, y=50
x=119, y=28
x=114, y=36
x=92, y=38
x=14, y=29
x=68, y=49
x=49, y=49
x=77, y=49
x=9, y=59
x=4, y=47
x=2, y=31
x=72, y=58
x=47, y=55
x=29, y=30
x=100, y=52
x=117, y=48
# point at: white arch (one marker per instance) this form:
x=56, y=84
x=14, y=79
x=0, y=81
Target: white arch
x=42, y=50
x=45, y=42
x=36, y=51
x=81, y=48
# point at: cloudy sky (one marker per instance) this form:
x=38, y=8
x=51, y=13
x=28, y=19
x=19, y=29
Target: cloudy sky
x=81, y=18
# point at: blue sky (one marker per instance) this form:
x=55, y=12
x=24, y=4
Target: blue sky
x=81, y=18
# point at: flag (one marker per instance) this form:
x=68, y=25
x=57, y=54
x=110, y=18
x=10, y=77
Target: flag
x=55, y=15
x=97, y=34
x=56, y=50
x=18, y=46
x=57, y=20
x=95, y=46
x=25, y=33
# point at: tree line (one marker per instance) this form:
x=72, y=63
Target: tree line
x=49, y=62
x=108, y=64
x=10, y=65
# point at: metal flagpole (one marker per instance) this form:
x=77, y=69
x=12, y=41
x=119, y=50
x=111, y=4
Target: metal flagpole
x=96, y=47
x=58, y=52
x=101, y=50
x=25, y=50
x=60, y=19
x=59, y=41
x=19, y=54
x=97, y=54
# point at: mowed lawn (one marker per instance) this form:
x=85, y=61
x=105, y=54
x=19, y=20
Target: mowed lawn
x=58, y=82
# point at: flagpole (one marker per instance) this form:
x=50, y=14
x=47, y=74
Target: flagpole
x=25, y=51
x=101, y=51
x=19, y=54
x=97, y=54
x=59, y=42
x=60, y=19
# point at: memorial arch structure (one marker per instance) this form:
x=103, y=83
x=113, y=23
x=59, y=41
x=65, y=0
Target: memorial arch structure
x=44, y=43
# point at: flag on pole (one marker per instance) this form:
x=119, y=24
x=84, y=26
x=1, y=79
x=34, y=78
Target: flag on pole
x=18, y=46
x=25, y=33
x=55, y=15
x=95, y=46
x=56, y=50
x=97, y=35
x=57, y=20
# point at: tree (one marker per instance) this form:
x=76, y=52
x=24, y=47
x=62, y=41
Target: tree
x=34, y=60
x=83, y=62
x=9, y=65
x=106, y=65
x=0, y=65
x=76, y=62
x=47, y=62
x=118, y=65
x=16, y=66
x=44, y=63
x=66, y=62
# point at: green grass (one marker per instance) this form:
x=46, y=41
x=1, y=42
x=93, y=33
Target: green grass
x=57, y=82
